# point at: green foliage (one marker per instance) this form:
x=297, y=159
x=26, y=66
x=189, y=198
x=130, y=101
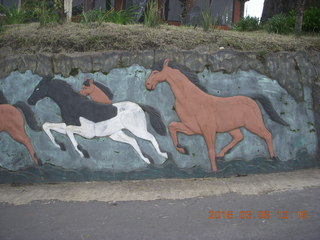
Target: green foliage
x=13, y=15
x=284, y=24
x=280, y=24
x=43, y=11
x=47, y=14
x=92, y=16
x=120, y=17
x=124, y=16
x=248, y=24
x=311, y=20
x=206, y=20
x=152, y=14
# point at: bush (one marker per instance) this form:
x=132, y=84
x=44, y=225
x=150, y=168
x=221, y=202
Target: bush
x=152, y=14
x=311, y=20
x=248, y=24
x=280, y=23
x=12, y=15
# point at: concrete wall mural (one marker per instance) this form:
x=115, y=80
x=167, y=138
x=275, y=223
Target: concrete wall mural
x=107, y=126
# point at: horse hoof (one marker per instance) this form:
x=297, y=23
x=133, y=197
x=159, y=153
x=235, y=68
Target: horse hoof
x=148, y=157
x=84, y=152
x=182, y=149
x=276, y=159
x=62, y=146
x=39, y=162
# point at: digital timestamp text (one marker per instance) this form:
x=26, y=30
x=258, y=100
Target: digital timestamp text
x=248, y=215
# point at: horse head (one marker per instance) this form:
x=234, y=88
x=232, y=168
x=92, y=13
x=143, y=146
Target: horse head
x=157, y=76
x=40, y=91
x=87, y=87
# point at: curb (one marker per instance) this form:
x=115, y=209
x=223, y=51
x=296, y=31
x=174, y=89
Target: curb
x=147, y=190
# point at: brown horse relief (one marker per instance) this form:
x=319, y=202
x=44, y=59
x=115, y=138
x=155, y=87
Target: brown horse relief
x=207, y=115
x=12, y=122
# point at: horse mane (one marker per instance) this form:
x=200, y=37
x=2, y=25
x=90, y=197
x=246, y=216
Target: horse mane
x=67, y=87
x=186, y=71
x=3, y=99
x=63, y=83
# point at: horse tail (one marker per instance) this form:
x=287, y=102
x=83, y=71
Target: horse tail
x=29, y=115
x=3, y=99
x=155, y=119
x=267, y=105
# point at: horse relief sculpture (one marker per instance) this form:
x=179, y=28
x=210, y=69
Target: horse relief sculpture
x=12, y=122
x=90, y=119
x=96, y=91
x=207, y=115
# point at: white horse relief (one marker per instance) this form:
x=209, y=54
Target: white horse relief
x=90, y=119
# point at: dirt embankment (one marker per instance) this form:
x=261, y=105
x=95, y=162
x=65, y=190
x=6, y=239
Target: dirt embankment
x=76, y=37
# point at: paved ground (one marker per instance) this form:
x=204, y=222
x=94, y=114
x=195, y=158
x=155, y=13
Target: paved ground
x=97, y=210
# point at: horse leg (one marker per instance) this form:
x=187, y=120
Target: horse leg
x=175, y=127
x=210, y=139
x=58, y=127
x=260, y=130
x=149, y=137
x=237, y=136
x=21, y=137
x=122, y=137
x=139, y=128
x=71, y=130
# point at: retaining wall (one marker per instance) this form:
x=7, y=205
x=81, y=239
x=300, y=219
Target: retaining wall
x=290, y=80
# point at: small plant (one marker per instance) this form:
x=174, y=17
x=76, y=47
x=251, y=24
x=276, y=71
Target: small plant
x=206, y=20
x=248, y=24
x=311, y=20
x=124, y=17
x=12, y=15
x=280, y=24
x=93, y=16
x=152, y=14
x=119, y=17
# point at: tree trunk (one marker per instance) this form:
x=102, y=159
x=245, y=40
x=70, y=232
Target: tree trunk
x=67, y=6
x=88, y=5
x=300, y=9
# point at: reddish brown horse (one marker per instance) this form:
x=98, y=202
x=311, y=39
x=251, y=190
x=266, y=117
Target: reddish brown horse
x=204, y=114
x=96, y=91
x=12, y=122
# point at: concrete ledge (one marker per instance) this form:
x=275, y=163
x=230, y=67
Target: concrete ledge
x=147, y=190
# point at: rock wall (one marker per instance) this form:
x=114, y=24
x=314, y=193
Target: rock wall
x=289, y=80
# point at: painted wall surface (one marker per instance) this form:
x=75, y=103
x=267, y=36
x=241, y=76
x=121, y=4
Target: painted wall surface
x=296, y=146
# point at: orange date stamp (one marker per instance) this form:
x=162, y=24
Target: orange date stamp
x=265, y=214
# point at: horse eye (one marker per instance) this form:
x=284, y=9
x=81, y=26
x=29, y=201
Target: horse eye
x=37, y=89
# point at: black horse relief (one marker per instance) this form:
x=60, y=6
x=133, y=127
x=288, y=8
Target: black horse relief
x=89, y=119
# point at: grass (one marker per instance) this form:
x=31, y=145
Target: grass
x=76, y=37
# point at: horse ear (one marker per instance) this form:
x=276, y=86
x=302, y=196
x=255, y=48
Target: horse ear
x=166, y=63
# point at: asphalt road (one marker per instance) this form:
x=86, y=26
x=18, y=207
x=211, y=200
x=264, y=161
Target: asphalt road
x=185, y=219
